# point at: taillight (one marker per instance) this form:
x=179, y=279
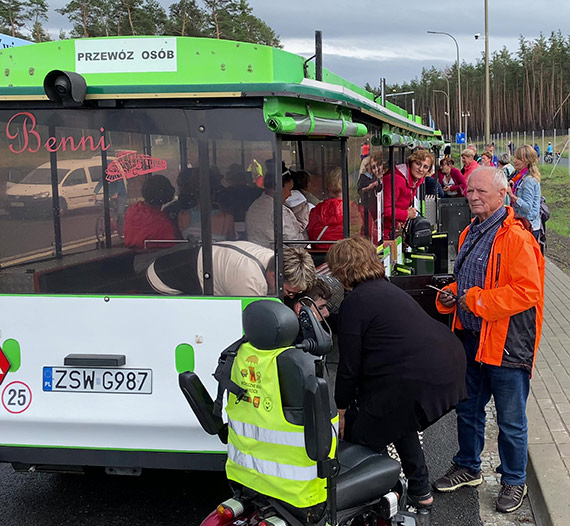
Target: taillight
x=389, y=505
x=273, y=521
x=230, y=509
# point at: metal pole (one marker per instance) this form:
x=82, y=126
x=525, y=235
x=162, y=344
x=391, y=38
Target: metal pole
x=414, y=109
x=318, y=55
x=345, y=188
x=392, y=164
x=448, y=111
x=543, y=144
x=383, y=91
x=56, y=210
x=487, y=79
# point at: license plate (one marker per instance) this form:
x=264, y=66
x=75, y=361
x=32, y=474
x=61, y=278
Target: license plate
x=16, y=203
x=97, y=380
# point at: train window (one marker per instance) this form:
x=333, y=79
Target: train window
x=214, y=161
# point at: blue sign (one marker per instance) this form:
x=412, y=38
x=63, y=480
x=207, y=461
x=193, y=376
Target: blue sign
x=7, y=41
x=460, y=138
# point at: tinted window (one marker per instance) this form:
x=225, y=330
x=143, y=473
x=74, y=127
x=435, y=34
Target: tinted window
x=75, y=177
x=215, y=146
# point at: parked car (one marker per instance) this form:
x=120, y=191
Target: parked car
x=76, y=182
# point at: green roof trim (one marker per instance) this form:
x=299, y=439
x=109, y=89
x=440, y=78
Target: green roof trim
x=189, y=67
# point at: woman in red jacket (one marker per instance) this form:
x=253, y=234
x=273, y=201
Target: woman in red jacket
x=469, y=162
x=408, y=177
x=326, y=219
x=146, y=220
x=451, y=179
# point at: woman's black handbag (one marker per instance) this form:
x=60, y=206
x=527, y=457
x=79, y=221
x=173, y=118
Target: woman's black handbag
x=417, y=232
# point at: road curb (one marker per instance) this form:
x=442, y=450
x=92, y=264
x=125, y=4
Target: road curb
x=547, y=477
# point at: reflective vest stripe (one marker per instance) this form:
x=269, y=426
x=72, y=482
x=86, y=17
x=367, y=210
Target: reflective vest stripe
x=268, y=467
x=284, y=438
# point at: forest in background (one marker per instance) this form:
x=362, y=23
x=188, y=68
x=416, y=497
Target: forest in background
x=530, y=89
x=227, y=19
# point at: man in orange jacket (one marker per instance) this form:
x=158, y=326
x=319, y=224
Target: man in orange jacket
x=499, y=289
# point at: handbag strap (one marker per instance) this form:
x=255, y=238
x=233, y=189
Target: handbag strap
x=243, y=252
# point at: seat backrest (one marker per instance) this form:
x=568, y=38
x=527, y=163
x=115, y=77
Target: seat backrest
x=269, y=324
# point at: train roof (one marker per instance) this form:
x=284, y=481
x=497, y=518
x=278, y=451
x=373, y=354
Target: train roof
x=161, y=67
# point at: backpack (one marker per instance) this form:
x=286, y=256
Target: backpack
x=417, y=232
x=544, y=217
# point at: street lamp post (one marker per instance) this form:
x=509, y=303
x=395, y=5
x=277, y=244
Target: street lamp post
x=466, y=114
x=448, y=117
x=487, y=81
x=458, y=72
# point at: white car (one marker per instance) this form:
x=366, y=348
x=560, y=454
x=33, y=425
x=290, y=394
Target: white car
x=77, y=181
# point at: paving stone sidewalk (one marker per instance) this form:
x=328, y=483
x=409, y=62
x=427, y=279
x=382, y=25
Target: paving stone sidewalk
x=549, y=407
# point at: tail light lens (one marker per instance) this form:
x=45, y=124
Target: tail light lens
x=230, y=509
x=273, y=521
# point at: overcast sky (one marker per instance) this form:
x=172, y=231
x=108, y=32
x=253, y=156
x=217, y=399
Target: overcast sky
x=364, y=40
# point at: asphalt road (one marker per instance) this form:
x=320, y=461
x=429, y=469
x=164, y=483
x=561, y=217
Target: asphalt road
x=22, y=236
x=176, y=499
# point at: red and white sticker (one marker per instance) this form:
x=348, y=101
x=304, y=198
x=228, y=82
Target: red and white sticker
x=16, y=397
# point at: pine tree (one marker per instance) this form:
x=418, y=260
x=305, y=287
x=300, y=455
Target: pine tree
x=13, y=16
x=36, y=12
x=186, y=19
x=84, y=14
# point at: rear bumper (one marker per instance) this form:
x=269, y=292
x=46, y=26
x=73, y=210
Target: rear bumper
x=35, y=456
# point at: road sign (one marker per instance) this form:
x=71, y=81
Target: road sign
x=460, y=138
x=4, y=366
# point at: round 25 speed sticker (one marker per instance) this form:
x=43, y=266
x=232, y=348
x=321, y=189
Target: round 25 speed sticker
x=16, y=397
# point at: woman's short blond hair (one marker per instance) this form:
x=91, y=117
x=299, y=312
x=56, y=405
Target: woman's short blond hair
x=298, y=268
x=354, y=260
x=468, y=153
x=333, y=181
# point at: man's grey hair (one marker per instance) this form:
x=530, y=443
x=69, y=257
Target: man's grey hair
x=499, y=177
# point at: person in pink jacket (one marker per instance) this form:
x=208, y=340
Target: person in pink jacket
x=408, y=177
x=469, y=162
x=451, y=179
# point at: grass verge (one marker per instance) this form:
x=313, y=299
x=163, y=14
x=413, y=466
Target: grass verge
x=556, y=189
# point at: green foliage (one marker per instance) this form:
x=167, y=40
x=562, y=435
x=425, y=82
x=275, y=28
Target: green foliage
x=85, y=15
x=228, y=19
x=186, y=19
x=530, y=88
x=39, y=34
x=13, y=15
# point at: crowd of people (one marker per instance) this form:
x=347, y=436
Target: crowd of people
x=395, y=378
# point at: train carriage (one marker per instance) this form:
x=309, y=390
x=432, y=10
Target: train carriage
x=89, y=354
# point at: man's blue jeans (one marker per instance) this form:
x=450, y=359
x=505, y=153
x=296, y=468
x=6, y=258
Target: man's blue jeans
x=509, y=388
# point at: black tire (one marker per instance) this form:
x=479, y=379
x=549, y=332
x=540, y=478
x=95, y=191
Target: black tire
x=100, y=229
x=62, y=206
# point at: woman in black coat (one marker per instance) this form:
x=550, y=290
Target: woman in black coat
x=404, y=368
